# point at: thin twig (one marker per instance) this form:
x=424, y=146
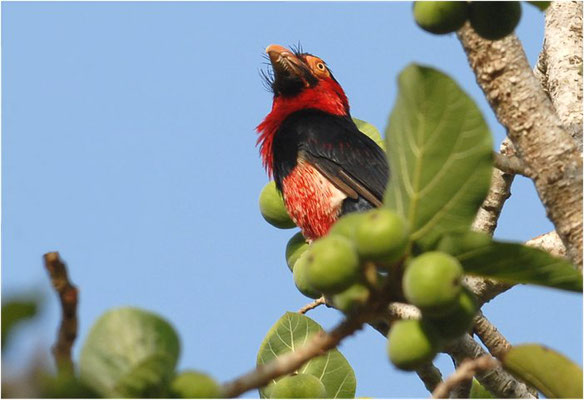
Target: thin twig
x=497, y=380
x=464, y=372
x=511, y=165
x=430, y=375
x=312, y=305
x=68, y=296
x=490, y=336
x=290, y=362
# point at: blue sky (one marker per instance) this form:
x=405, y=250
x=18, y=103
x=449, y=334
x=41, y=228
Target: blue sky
x=128, y=145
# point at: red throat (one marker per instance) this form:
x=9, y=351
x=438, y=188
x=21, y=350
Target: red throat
x=327, y=96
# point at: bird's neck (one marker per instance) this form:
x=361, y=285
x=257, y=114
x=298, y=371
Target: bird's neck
x=327, y=97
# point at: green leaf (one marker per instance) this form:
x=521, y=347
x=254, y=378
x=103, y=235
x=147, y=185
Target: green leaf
x=547, y=370
x=541, y=5
x=129, y=353
x=510, y=262
x=15, y=311
x=478, y=391
x=370, y=131
x=290, y=332
x=440, y=155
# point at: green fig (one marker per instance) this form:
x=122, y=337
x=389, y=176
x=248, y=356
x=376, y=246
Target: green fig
x=351, y=298
x=273, y=209
x=301, y=386
x=433, y=282
x=382, y=236
x=493, y=20
x=194, y=385
x=440, y=17
x=294, y=249
x=460, y=319
x=333, y=264
x=412, y=343
x=346, y=225
x=300, y=272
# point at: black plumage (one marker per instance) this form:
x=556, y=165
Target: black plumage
x=333, y=144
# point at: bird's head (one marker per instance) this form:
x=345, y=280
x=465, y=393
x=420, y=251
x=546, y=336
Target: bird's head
x=304, y=79
x=299, y=81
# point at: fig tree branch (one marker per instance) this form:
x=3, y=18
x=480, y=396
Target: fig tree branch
x=68, y=296
x=511, y=165
x=465, y=372
x=490, y=336
x=522, y=106
x=312, y=305
x=559, y=66
x=498, y=381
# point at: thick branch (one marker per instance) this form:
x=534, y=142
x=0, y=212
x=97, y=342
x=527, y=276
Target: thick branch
x=290, y=362
x=68, y=297
x=537, y=134
x=559, y=67
x=465, y=372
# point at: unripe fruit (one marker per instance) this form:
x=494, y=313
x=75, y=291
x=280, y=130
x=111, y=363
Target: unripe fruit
x=350, y=299
x=333, y=264
x=194, y=385
x=412, y=343
x=432, y=282
x=294, y=249
x=440, y=17
x=494, y=20
x=273, y=209
x=460, y=319
x=300, y=273
x=346, y=225
x=301, y=386
x=382, y=236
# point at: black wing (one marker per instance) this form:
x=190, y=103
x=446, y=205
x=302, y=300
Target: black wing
x=348, y=158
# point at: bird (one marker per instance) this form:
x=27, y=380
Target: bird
x=322, y=164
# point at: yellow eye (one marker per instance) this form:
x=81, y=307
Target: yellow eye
x=320, y=66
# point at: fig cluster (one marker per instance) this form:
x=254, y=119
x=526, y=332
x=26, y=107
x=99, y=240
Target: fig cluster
x=492, y=20
x=433, y=283
x=334, y=265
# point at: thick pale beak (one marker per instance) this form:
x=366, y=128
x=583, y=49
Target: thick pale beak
x=285, y=62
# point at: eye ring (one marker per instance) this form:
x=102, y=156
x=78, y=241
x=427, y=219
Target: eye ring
x=320, y=66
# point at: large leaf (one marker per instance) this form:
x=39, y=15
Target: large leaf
x=370, y=131
x=510, y=262
x=548, y=371
x=17, y=310
x=440, y=155
x=129, y=353
x=290, y=332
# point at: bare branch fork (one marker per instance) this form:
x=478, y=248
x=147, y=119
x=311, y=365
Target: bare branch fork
x=68, y=296
x=522, y=106
x=465, y=372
